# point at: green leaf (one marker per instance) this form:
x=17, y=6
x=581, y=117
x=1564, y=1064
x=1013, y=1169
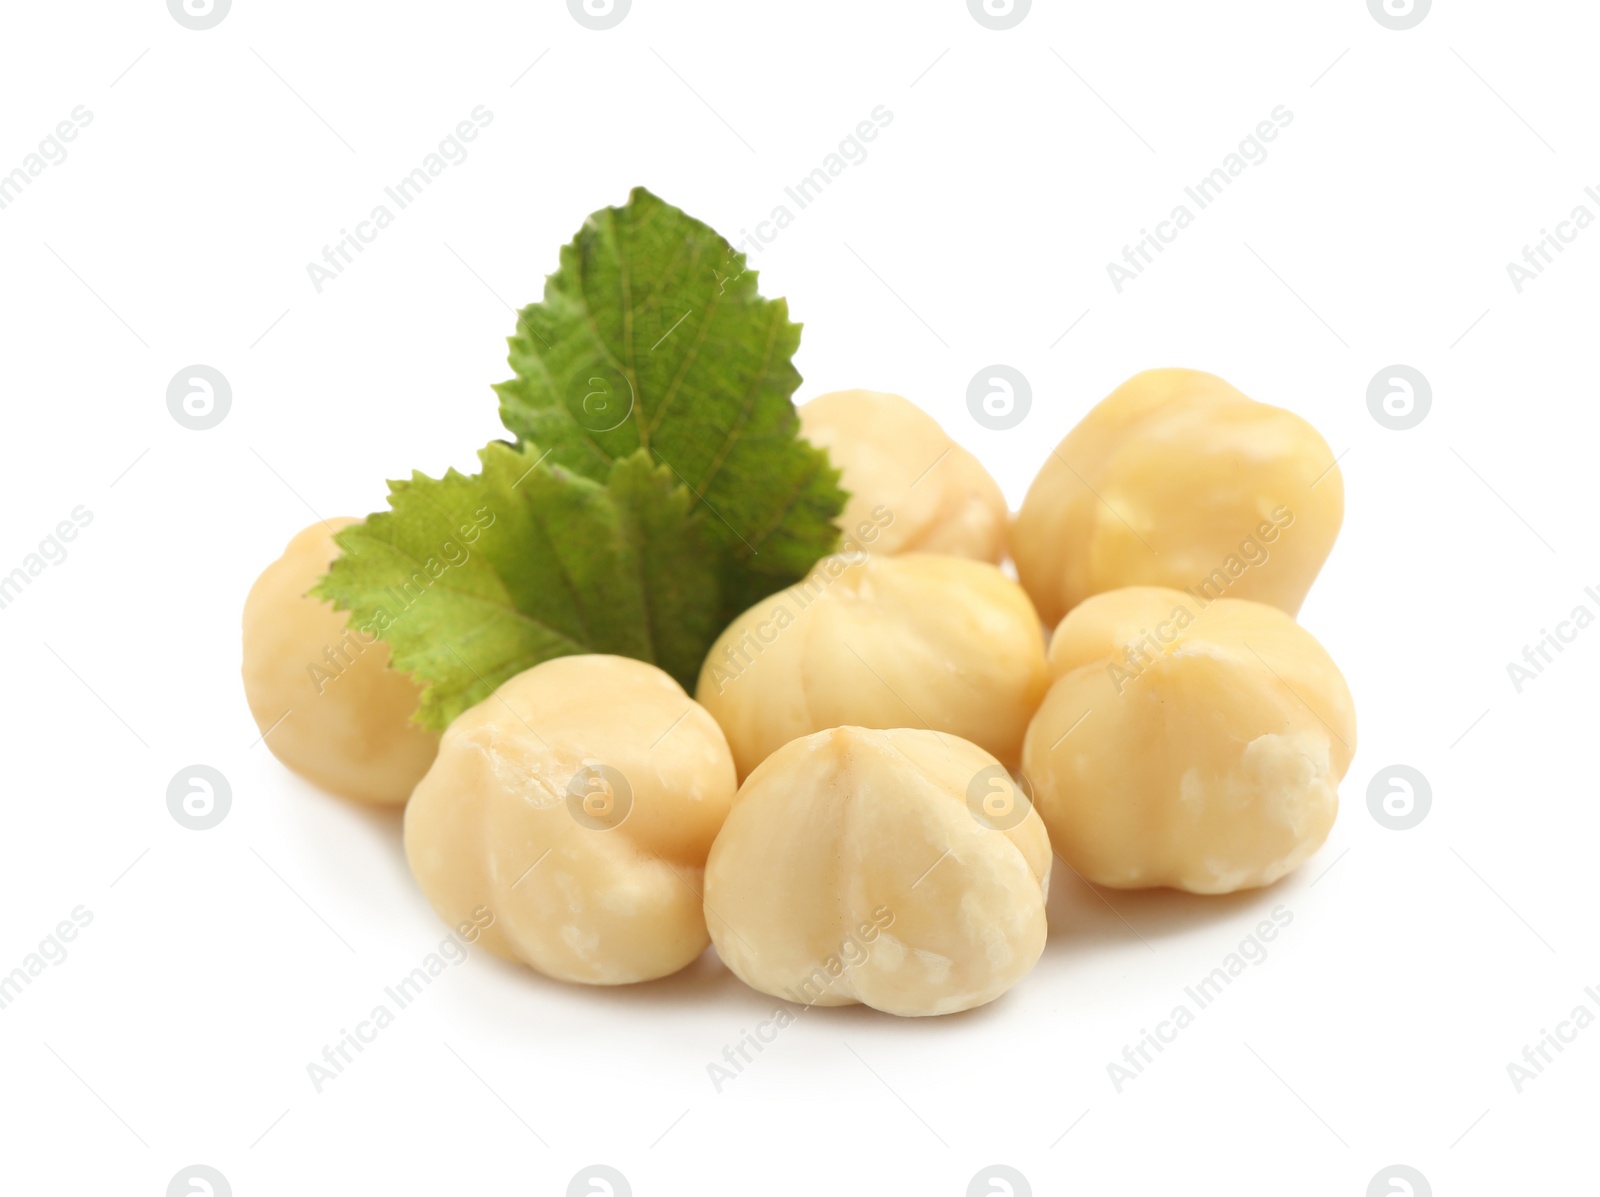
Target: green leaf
x=472, y=579
x=652, y=336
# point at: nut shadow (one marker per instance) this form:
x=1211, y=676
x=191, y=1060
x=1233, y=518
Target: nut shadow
x=385, y=824
x=703, y=982
x=327, y=827
x=708, y=983
x=1083, y=919
x=1086, y=918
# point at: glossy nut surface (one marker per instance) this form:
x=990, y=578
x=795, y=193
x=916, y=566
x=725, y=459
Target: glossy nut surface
x=894, y=868
x=917, y=640
x=1177, y=479
x=322, y=693
x=912, y=488
x=576, y=804
x=1199, y=747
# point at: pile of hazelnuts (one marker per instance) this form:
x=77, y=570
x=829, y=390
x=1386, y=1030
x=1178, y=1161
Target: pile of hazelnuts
x=863, y=798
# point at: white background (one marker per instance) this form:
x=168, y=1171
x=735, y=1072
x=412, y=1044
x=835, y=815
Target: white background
x=977, y=231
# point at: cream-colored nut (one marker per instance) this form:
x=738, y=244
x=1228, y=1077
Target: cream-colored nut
x=321, y=692
x=912, y=488
x=918, y=640
x=576, y=805
x=1176, y=479
x=1188, y=744
x=898, y=868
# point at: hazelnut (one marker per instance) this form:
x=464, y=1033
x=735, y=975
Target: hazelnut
x=322, y=692
x=900, y=869
x=1193, y=745
x=912, y=488
x=1176, y=479
x=918, y=640
x=577, y=804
